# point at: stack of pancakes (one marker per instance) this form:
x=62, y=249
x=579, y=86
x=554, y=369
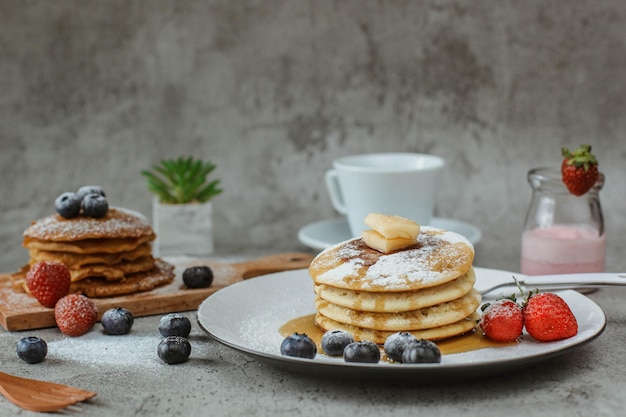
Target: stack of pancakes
x=106, y=256
x=426, y=289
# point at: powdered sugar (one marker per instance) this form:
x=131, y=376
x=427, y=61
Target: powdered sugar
x=118, y=223
x=447, y=235
x=504, y=308
x=97, y=349
x=438, y=256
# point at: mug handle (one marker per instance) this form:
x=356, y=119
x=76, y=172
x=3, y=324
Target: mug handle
x=334, y=191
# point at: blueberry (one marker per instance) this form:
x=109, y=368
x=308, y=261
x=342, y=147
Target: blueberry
x=396, y=343
x=117, y=321
x=364, y=351
x=335, y=341
x=68, y=205
x=298, y=345
x=421, y=351
x=89, y=189
x=174, y=324
x=31, y=349
x=198, y=277
x=174, y=349
x=95, y=205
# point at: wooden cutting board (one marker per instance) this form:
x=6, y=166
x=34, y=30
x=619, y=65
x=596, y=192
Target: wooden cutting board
x=20, y=311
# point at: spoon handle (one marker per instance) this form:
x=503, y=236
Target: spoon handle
x=598, y=279
x=564, y=281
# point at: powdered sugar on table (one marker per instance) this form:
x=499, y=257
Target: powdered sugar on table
x=98, y=349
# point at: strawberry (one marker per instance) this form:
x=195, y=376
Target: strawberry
x=48, y=281
x=579, y=169
x=547, y=317
x=75, y=314
x=502, y=321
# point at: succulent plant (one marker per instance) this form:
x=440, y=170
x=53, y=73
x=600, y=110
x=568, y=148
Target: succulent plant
x=182, y=180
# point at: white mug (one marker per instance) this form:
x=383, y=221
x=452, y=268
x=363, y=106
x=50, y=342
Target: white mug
x=397, y=184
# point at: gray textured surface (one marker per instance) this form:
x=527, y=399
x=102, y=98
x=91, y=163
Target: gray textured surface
x=219, y=381
x=272, y=91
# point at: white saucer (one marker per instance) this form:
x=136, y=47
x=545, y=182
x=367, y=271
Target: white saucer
x=326, y=233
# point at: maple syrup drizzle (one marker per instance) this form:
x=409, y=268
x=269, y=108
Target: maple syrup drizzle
x=459, y=344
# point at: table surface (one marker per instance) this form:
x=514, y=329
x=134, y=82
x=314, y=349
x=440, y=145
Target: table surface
x=130, y=379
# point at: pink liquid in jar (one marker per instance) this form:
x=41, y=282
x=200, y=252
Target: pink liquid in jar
x=561, y=249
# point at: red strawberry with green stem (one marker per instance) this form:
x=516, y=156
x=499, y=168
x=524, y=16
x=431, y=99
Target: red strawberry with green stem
x=579, y=169
x=502, y=320
x=547, y=317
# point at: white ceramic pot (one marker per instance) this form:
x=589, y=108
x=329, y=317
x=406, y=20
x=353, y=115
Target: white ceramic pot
x=182, y=229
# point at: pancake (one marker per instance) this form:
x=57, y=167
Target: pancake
x=108, y=272
x=393, y=302
x=439, y=256
x=117, y=223
x=113, y=272
x=379, y=337
x=162, y=273
x=425, y=318
x=74, y=260
x=89, y=246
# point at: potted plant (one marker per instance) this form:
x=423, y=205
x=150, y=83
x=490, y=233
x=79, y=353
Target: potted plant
x=182, y=208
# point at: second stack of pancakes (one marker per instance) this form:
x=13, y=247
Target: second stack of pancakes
x=426, y=289
x=106, y=256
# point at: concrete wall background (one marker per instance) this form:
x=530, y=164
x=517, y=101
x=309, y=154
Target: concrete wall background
x=272, y=91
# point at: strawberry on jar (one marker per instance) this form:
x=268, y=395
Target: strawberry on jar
x=579, y=169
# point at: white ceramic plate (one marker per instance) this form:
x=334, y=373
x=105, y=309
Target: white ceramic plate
x=325, y=233
x=246, y=316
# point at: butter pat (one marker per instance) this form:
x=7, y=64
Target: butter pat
x=393, y=227
x=378, y=242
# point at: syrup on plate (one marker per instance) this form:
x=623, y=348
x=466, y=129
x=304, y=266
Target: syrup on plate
x=465, y=343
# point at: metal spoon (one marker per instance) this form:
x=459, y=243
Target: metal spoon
x=564, y=281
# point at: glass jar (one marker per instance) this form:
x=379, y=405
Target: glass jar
x=562, y=233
